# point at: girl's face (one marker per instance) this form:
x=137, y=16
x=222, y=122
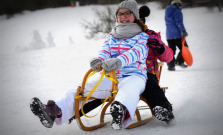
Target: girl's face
x=125, y=16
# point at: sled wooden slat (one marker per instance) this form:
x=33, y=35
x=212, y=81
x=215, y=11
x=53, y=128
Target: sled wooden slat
x=83, y=98
x=80, y=91
x=140, y=123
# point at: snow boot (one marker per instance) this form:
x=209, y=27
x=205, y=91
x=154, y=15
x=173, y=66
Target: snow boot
x=171, y=68
x=163, y=112
x=46, y=113
x=118, y=112
x=181, y=65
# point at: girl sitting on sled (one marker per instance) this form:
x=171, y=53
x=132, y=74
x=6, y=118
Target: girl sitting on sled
x=124, y=51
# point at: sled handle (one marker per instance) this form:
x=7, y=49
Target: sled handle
x=91, y=72
x=112, y=77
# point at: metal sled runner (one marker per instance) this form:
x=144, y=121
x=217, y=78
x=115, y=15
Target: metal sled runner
x=107, y=102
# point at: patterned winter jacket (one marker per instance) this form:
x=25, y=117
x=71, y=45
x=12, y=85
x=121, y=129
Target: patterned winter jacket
x=131, y=52
x=153, y=56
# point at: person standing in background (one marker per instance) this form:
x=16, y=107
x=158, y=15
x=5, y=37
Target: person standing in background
x=175, y=31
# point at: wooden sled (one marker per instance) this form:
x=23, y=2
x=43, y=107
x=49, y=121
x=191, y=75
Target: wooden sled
x=80, y=91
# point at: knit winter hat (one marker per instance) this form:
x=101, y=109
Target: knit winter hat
x=131, y=5
x=176, y=1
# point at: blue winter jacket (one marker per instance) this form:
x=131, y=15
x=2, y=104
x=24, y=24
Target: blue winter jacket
x=174, y=22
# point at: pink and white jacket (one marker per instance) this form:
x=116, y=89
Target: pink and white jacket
x=131, y=52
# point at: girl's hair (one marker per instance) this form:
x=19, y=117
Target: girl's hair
x=141, y=24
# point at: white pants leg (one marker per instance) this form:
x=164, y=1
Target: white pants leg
x=129, y=90
x=66, y=102
x=128, y=95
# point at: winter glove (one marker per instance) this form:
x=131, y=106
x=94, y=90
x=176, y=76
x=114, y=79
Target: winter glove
x=94, y=62
x=184, y=34
x=112, y=63
x=154, y=44
x=151, y=32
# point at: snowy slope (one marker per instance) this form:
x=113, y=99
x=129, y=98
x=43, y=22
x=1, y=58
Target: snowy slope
x=196, y=93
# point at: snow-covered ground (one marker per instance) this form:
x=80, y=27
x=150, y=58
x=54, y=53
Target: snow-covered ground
x=28, y=71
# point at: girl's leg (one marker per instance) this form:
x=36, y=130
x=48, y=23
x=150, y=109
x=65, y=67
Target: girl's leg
x=157, y=100
x=180, y=59
x=89, y=106
x=153, y=93
x=172, y=45
x=128, y=95
x=66, y=102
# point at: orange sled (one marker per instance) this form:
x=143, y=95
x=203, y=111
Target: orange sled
x=187, y=56
x=107, y=102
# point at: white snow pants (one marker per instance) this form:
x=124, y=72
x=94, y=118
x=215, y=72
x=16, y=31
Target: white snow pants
x=129, y=90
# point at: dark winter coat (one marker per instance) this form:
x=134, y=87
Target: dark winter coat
x=174, y=22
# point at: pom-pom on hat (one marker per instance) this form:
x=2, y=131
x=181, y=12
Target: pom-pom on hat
x=144, y=11
x=131, y=5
